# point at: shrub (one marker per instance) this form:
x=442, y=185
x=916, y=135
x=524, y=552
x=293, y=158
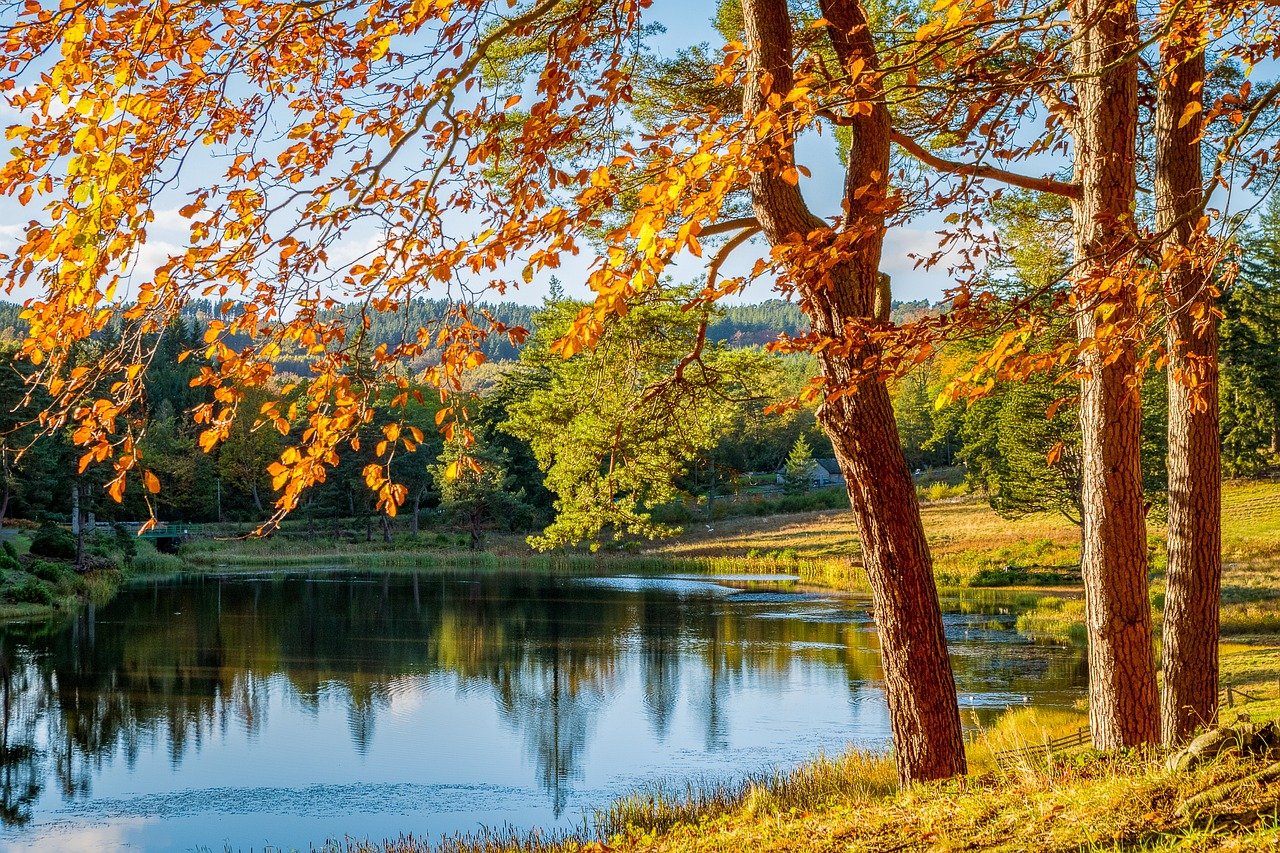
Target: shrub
x=51, y=541
x=30, y=591
x=9, y=551
x=671, y=513
x=151, y=561
x=59, y=575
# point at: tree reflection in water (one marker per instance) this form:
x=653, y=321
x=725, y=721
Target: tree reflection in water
x=168, y=665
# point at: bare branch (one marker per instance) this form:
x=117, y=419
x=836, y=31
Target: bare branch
x=713, y=271
x=730, y=225
x=982, y=170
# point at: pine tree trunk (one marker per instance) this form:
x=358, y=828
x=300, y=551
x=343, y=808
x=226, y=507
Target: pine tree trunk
x=1123, y=707
x=1275, y=429
x=928, y=739
x=927, y=735
x=1189, y=698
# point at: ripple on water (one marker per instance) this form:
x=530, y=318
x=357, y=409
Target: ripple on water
x=310, y=801
x=677, y=585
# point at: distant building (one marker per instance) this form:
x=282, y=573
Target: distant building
x=823, y=472
x=826, y=473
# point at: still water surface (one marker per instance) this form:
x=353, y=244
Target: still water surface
x=276, y=712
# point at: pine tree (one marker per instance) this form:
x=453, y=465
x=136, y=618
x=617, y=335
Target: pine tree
x=797, y=474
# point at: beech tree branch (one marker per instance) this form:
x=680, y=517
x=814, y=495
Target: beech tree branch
x=982, y=170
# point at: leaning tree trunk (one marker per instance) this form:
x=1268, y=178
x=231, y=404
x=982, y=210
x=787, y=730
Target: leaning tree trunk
x=1189, y=698
x=928, y=740
x=924, y=713
x=1123, y=708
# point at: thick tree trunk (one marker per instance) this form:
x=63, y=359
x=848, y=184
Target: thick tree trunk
x=1189, y=698
x=1123, y=708
x=928, y=739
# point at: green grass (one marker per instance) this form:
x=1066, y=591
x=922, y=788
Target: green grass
x=1054, y=620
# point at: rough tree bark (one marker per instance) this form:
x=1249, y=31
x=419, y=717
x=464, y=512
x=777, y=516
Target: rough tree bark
x=1189, y=697
x=925, y=717
x=1123, y=707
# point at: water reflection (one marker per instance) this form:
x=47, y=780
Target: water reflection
x=459, y=698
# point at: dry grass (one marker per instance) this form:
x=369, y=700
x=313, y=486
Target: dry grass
x=973, y=546
x=1093, y=802
x=970, y=542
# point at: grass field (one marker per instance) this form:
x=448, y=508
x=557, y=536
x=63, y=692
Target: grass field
x=973, y=546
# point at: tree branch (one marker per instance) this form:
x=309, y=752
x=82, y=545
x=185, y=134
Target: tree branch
x=730, y=225
x=981, y=170
x=713, y=270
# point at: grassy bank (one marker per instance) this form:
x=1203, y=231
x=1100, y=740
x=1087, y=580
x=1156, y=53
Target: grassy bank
x=1077, y=801
x=433, y=552
x=1088, y=802
x=974, y=547
x=45, y=585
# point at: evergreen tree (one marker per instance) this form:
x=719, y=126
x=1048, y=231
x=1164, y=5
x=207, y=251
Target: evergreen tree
x=797, y=474
x=614, y=427
x=476, y=492
x=1250, y=385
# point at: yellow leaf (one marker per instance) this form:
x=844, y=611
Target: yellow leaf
x=1189, y=113
x=1055, y=453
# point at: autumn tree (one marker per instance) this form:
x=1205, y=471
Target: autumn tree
x=394, y=133
x=470, y=146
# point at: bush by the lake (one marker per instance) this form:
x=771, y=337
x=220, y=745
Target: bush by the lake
x=53, y=541
x=29, y=591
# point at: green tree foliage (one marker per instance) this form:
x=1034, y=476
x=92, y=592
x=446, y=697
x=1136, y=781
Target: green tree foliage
x=1021, y=443
x=248, y=450
x=613, y=428
x=758, y=440
x=1250, y=385
x=797, y=474
x=476, y=491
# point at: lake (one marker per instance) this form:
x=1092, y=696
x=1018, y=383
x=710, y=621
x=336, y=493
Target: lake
x=275, y=712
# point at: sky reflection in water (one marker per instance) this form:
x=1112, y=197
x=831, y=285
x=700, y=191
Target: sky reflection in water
x=285, y=710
